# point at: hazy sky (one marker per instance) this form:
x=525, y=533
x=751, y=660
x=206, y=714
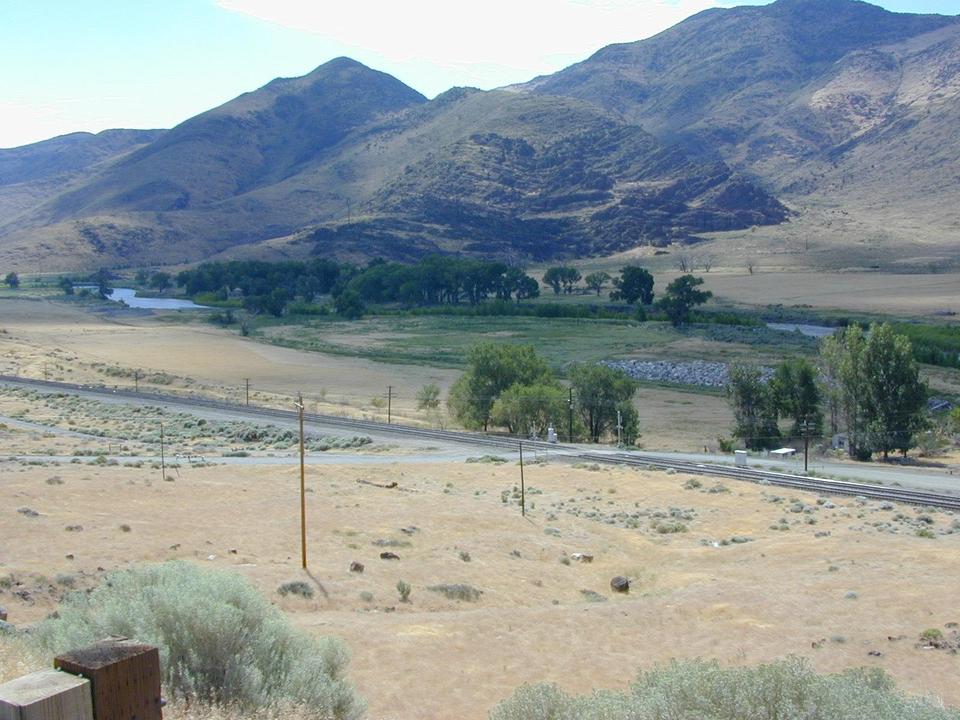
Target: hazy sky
x=69, y=65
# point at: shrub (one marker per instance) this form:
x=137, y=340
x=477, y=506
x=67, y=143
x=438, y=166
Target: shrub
x=404, y=589
x=457, y=592
x=787, y=690
x=220, y=640
x=296, y=587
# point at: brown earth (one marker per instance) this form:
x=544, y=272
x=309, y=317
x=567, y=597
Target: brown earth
x=782, y=592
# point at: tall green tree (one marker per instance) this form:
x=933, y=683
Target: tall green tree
x=896, y=397
x=561, y=277
x=530, y=408
x=596, y=281
x=681, y=296
x=797, y=395
x=491, y=369
x=880, y=398
x=635, y=284
x=601, y=392
x=12, y=280
x=754, y=408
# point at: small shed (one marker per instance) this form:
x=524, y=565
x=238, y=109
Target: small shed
x=740, y=458
x=783, y=453
x=840, y=441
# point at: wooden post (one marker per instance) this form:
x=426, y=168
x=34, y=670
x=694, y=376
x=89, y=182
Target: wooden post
x=389, y=402
x=124, y=678
x=46, y=695
x=303, y=492
x=163, y=462
x=523, y=491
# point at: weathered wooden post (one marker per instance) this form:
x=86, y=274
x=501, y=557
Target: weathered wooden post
x=46, y=695
x=124, y=678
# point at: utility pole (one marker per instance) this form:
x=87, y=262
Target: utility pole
x=136, y=380
x=570, y=418
x=389, y=402
x=303, y=491
x=163, y=462
x=523, y=491
x=805, y=429
x=247, y=381
x=619, y=428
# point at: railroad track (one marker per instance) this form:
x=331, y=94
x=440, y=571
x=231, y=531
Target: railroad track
x=763, y=477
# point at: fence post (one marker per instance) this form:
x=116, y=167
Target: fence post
x=46, y=695
x=124, y=678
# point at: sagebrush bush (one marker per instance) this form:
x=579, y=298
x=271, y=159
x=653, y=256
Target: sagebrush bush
x=697, y=690
x=220, y=641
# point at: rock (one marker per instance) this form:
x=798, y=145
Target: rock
x=389, y=556
x=581, y=557
x=357, y=567
x=875, y=653
x=28, y=512
x=620, y=584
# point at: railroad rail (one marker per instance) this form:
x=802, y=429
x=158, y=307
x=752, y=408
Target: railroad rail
x=632, y=459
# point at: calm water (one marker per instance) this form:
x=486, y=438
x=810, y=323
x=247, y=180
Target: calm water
x=128, y=296
x=817, y=331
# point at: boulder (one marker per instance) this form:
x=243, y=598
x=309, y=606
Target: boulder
x=357, y=567
x=389, y=556
x=620, y=584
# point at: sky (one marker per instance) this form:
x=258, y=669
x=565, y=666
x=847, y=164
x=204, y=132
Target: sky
x=90, y=65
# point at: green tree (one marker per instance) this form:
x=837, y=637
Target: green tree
x=681, y=296
x=754, y=407
x=530, y=408
x=879, y=396
x=601, y=392
x=12, y=280
x=491, y=369
x=553, y=277
x=428, y=397
x=562, y=277
x=635, y=284
x=596, y=280
x=349, y=305
x=797, y=395
x=160, y=281
x=896, y=397
x=66, y=284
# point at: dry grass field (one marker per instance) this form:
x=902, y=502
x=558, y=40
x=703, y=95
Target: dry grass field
x=42, y=339
x=736, y=572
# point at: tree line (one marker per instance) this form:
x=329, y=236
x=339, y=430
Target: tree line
x=434, y=280
x=511, y=387
x=866, y=382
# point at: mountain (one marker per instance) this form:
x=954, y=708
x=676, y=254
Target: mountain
x=811, y=96
x=351, y=162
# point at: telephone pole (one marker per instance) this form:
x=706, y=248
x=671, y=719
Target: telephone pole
x=136, y=380
x=247, y=381
x=523, y=492
x=570, y=418
x=619, y=428
x=303, y=490
x=805, y=429
x=163, y=463
x=389, y=402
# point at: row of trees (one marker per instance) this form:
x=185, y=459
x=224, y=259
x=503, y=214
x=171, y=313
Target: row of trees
x=510, y=386
x=434, y=280
x=868, y=381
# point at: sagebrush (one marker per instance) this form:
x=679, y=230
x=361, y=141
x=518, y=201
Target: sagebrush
x=698, y=690
x=220, y=641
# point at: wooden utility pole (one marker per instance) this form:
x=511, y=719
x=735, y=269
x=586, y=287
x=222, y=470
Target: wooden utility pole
x=805, y=429
x=389, y=402
x=163, y=464
x=523, y=490
x=303, y=491
x=570, y=418
x=136, y=380
x=248, y=390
